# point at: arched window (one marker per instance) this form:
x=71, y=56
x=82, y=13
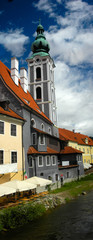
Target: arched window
x=33, y=123
x=38, y=73
x=42, y=127
x=38, y=93
x=49, y=130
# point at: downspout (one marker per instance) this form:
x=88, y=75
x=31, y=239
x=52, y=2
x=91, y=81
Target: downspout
x=22, y=155
x=35, y=164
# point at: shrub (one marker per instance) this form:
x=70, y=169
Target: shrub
x=17, y=216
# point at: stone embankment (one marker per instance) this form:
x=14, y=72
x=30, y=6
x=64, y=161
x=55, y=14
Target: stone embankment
x=52, y=200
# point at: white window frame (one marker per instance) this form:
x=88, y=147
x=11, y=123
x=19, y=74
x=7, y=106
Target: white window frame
x=3, y=156
x=32, y=119
x=32, y=162
x=46, y=160
x=41, y=92
x=52, y=160
x=10, y=129
x=11, y=156
x=42, y=125
x=49, y=130
x=40, y=140
x=4, y=127
x=42, y=161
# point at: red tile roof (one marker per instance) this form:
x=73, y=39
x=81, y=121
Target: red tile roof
x=74, y=137
x=32, y=150
x=66, y=150
x=10, y=113
x=69, y=150
x=26, y=98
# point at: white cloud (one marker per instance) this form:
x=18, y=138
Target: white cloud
x=46, y=6
x=71, y=44
x=74, y=98
x=14, y=41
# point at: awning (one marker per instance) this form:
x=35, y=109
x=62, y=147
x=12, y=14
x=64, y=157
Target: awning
x=8, y=168
x=19, y=186
x=39, y=181
x=5, y=190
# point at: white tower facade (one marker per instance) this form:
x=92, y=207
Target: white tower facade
x=41, y=76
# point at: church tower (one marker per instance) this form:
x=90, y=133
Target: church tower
x=41, y=75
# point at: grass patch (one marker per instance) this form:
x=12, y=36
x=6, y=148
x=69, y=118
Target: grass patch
x=77, y=187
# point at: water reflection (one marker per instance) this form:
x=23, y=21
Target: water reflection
x=73, y=221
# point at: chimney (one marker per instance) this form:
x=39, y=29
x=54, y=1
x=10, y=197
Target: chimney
x=14, y=70
x=23, y=79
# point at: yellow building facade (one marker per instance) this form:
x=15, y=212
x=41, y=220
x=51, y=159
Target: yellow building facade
x=80, y=142
x=87, y=151
x=11, y=150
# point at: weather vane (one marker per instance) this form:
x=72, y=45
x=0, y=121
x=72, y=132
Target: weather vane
x=39, y=20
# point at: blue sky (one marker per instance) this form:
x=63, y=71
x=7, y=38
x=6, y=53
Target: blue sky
x=68, y=28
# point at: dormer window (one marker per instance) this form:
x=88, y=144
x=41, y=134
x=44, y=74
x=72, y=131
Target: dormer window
x=86, y=140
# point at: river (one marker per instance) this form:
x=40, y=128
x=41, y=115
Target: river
x=73, y=221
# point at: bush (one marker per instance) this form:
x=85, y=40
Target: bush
x=17, y=216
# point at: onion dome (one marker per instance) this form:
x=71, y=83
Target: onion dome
x=40, y=46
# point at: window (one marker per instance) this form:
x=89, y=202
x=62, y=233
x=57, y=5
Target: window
x=1, y=127
x=84, y=160
x=42, y=139
x=13, y=130
x=56, y=177
x=84, y=150
x=38, y=93
x=49, y=177
x=79, y=158
x=33, y=123
x=49, y=130
x=13, y=157
x=41, y=174
x=53, y=160
x=42, y=127
x=87, y=150
x=1, y=156
x=34, y=138
x=47, y=160
x=38, y=73
x=30, y=161
x=68, y=175
x=40, y=161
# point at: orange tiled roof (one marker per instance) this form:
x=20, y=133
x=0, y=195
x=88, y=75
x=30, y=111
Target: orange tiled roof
x=10, y=113
x=32, y=150
x=74, y=137
x=69, y=150
x=26, y=98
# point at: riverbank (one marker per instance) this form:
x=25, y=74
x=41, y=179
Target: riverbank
x=17, y=216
